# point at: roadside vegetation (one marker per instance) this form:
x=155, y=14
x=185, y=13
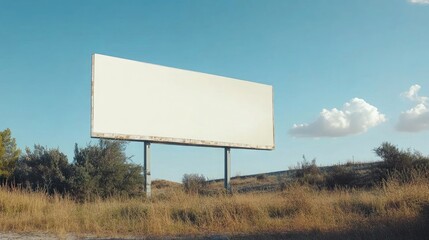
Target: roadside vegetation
x=99, y=170
x=99, y=193
x=392, y=210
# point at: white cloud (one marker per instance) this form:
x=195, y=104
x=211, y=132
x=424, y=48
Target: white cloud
x=413, y=94
x=419, y=1
x=415, y=119
x=356, y=116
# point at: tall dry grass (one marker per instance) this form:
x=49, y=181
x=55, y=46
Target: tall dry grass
x=390, y=210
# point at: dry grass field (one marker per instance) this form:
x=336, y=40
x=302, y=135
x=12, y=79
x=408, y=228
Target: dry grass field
x=393, y=210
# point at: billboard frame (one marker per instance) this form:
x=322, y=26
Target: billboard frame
x=147, y=140
x=174, y=140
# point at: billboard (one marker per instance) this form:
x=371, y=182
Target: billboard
x=146, y=102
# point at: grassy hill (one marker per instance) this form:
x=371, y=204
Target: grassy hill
x=353, y=175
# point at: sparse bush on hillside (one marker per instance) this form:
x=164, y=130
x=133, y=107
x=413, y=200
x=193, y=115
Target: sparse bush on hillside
x=194, y=183
x=403, y=161
x=309, y=173
x=395, y=159
x=307, y=168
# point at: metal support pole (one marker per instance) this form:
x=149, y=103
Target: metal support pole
x=227, y=181
x=147, y=180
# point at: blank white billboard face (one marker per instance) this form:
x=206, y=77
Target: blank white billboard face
x=146, y=102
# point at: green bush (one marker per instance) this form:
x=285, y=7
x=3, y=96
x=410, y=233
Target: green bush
x=402, y=161
x=103, y=170
x=99, y=170
x=42, y=168
x=395, y=159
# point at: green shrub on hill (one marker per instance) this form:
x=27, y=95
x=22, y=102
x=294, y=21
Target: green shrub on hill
x=103, y=170
x=100, y=170
x=402, y=161
x=43, y=169
x=395, y=159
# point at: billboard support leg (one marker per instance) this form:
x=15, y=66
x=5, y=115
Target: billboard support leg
x=146, y=170
x=227, y=179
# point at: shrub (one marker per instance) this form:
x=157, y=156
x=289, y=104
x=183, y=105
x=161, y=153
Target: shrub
x=194, y=183
x=308, y=173
x=403, y=161
x=104, y=170
x=395, y=159
x=307, y=168
x=43, y=168
x=341, y=176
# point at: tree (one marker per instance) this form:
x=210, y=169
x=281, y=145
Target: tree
x=395, y=159
x=104, y=170
x=43, y=168
x=9, y=154
x=2, y=148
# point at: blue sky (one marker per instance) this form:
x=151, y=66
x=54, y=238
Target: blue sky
x=367, y=59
